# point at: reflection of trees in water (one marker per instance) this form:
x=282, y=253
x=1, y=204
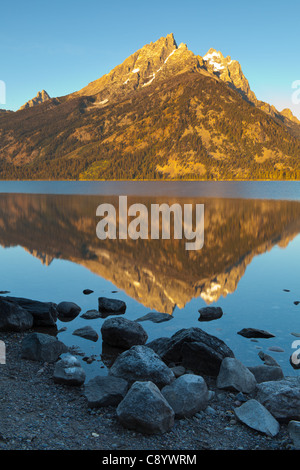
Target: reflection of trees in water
x=159, y=273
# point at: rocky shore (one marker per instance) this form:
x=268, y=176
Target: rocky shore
x=187, y=392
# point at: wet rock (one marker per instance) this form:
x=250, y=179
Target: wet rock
x=265, y=373
x=294, y=432
x=256, y=416
x=281, y=398
x=105, y=391
x=210, y=313
x=155, y=317
x=68, y=371
x=255, y=333
x=42, y=347
x=144, y=409
x=234, y=375
x=276, y=349
x=268, y=360
x=195, y=349
x=44, y=313
x=91, y=315
x=13, y=317
x=111, y=306
x=88, y=291
x=122, y=333
x=87, y=332
x=68, y=310
x=187, y=395
x=140, y=363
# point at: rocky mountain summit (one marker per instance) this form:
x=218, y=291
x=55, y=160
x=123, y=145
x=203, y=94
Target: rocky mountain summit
x=41, y=97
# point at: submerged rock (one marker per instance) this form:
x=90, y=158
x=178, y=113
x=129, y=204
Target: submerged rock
x=86, y=332
x=111, y=306
x=144, y=409
x=255, y=333
x=155, y=317
x=122, y=333
x=210, y=313
x=68, y=310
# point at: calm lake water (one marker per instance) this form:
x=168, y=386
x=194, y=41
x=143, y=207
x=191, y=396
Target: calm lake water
x=49, y=251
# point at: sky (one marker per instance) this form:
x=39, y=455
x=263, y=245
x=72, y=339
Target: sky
x=61, y=46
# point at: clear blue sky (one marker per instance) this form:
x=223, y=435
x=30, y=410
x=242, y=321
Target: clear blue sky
x=60, y=46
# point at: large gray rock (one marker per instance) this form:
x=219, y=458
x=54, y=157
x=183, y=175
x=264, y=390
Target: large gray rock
x=105, y=391
x=111, y=306
x=144, y=409
x=68, y=310
x=86, y=332
x=281, y=398
x=294, y=432
x=264, y=373
x=234, y=375
x=122, y=333
x=44, y=313
x=42, y=347
x=197, y=350
x=140, y=363
x=13, y=317
x=68, y=371
x=187, y=395
x=257, y=417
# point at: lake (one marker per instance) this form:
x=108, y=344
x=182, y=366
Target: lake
x=249, y=264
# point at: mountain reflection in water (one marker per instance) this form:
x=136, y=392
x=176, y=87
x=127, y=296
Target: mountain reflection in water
x=160, y=274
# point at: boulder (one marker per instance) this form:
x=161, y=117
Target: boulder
x=91, y=315
x=13, y=317
x=187, y=395
x=42, y=347
x=122, y=333
x=111, y=306
x=234, y=375
x=68, y=371
x=294, y=432
x=263, y=373
x=44, y=313
x=210, y=313
x=256, y=416
x=255, y=333
x=195, y=349
x=144, y=409
x=105, y=391
x=87, y=332
x=281, y=398
x=155, y=317
x=140, y=363
x=68, y=310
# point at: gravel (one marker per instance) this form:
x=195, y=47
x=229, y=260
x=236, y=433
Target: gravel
x=38, y=414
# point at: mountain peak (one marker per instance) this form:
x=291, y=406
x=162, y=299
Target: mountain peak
x=41, y=97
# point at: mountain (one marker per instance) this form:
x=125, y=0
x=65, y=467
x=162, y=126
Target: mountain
x=164, y=113
x=41, y=97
